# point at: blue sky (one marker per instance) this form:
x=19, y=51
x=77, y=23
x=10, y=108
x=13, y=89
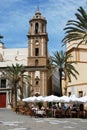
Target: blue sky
x=15, y=16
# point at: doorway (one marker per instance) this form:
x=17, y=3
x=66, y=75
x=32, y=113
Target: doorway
x=2, y=100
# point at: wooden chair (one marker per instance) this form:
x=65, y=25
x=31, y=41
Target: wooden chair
x=58, y=113
x=63, y=113
x=69, y=113
x=21, y=110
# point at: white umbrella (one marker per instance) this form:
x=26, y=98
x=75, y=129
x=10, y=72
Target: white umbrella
x=73, y=98
x=39, y=99
x=51, y=98
x=25, y=99
x=30, y=99
x=83, y=99
x=34, y=99
x=64, y=99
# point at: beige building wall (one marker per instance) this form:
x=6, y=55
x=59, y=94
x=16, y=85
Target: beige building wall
x=79, y=54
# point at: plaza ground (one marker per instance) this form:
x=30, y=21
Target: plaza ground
x=9, y=120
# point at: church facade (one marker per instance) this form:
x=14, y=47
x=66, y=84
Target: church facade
x=34, y=58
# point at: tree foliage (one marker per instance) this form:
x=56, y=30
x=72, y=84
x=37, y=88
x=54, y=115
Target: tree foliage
x=77, y=29
x=66, y=68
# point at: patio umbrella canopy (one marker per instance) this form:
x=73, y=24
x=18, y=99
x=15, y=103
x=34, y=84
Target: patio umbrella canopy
x=83, y=99
x=73, y=98
x=51, y=98
x=39, y=99
x=64, y=99
x=34, y=99
x=29, y=99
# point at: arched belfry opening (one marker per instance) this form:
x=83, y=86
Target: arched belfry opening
x=36, y=27
x=42, y=28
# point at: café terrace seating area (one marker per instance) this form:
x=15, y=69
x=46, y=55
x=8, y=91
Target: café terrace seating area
x=64, y=108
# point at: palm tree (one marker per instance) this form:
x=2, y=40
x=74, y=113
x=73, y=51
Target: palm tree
x=62, y=63
x=15, y=74
x=77, y=29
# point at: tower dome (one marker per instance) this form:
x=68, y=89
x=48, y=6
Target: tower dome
x=38, y=13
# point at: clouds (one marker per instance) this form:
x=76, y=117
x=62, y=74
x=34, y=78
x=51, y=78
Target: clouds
x=15, y=16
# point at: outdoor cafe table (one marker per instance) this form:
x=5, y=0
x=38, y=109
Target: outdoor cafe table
x=40, y=113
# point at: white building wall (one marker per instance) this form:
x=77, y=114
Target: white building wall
x=13, y=56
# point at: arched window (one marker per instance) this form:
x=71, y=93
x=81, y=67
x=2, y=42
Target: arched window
x=37, y=82
x=3, y=83
x=42, y=28
x=31, y=26
x=36, y=28
x=36, y=51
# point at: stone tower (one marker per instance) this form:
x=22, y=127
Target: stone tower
x=37, y=54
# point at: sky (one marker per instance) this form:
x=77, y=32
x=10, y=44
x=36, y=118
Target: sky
x=15, y=16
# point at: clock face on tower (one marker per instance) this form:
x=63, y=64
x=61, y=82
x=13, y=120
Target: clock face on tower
x=37, y=43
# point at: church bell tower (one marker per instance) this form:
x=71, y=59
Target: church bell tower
x=37, y=54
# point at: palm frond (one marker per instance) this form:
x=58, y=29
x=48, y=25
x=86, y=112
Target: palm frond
x=76, y=29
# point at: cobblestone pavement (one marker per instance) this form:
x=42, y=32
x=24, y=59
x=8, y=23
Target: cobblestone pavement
x=9, y=120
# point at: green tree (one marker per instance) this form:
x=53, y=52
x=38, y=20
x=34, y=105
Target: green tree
x=77, y=29
x=15, y=74
x=62, y=63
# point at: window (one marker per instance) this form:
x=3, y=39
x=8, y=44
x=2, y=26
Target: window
x=31, y=25
x=36, y=62
x=80, y=93
x=3, y=83
x=69, y=94
x=37, y=94
x=36, y=51
x=36, y=28
x=37, y=82
x=42, y=28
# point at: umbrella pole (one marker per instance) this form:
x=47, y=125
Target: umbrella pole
x=52, y=109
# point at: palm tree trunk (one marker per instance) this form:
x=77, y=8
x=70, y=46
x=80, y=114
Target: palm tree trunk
x=60, y=73
x=12, y=94
x=15, y=85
